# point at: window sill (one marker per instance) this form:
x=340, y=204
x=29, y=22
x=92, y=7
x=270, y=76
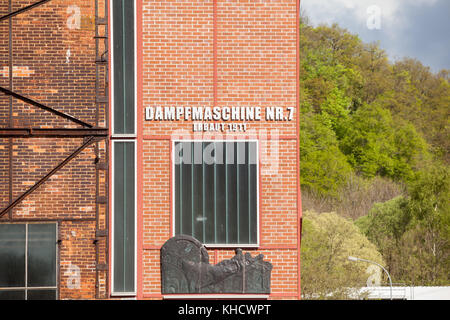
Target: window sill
x=118, y=136
x=231, y=246
x=123, y=294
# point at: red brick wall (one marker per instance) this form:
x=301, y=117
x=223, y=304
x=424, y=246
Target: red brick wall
x=54, y=64
x=221, y=53
x=193, y=53
x=156, y=193
x=177, y=57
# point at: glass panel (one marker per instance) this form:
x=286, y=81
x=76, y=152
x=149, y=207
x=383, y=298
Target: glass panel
x=119, y=215
x=232, y=181
x=221, y=196
x=129, y=65
x=118, y=66
x=209, y=194
x=124, y=216
x=123, y=35
x=12, y=255
x=130, y=218
x=253, y=197
x=178, y=190
x=41, y=255
x=243, y=192
x=197, y=191
x=216, y=191
x=186, y=188
x=41, y=295
x=12, y=294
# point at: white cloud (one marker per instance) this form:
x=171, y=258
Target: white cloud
x=414, y=28
x=329, y=11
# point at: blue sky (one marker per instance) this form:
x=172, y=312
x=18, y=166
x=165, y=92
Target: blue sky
x=405, y=28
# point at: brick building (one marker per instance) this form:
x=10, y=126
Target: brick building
x=126, y=122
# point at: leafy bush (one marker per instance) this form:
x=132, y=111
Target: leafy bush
x=327, y=241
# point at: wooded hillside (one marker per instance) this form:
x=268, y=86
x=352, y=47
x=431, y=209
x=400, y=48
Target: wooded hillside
x=374, y=149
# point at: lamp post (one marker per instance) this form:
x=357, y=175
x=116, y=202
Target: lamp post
x=373, y=262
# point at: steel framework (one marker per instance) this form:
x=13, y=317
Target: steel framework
x=92, y=134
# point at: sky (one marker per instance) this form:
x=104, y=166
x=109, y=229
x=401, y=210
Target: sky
x=418, y=29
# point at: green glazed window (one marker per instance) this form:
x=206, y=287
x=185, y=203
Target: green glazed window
x=28, y=262
x=124, y=217
x=216, y=191
x=123, y=66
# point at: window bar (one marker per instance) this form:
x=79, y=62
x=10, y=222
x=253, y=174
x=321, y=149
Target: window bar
x=203, y=194
x=192, y=190
x=249, y=191
x=215, y=192
x=26, y=261
x=124, y=68
x=237, y=191
x=226, y=192
x=57, y=258
x=181, y=161
x=124, y=212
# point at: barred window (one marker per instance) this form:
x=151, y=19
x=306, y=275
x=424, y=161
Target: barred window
x=124, y=151
x=124, y=223
x=216, y=191
x=123, y=67
x=28, y=262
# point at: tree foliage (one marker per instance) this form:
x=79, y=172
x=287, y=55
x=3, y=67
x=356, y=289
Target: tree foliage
x=429, y=205
x=412, y=233
x=385, y=226
x=351, y=118
x=324, y=167
x=327, y=241
x=374, y=145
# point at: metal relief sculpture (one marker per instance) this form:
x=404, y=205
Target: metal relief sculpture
x=185, y=268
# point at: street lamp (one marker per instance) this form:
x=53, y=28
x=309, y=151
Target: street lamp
x=373, y=262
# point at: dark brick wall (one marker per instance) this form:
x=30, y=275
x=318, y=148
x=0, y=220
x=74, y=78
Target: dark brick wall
x=54, y=64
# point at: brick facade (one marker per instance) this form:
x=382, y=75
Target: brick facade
x=53, y=60
x=190, y=53
x=220, y=53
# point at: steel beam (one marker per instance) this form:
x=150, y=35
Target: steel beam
x=44, y=107
x=24, y=9
x=52, y=132
x=11, y=123
x=47, y=176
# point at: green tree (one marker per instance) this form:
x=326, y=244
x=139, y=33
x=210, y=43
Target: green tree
x=327, y=241
x=385, y=225
x=413, y=233
x=335, y=110
x=376, y=145
x=327, y=62
x=429, y=205
x=369, y=127
x=422, y=98
x=323, y=168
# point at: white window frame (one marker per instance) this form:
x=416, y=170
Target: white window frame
x=220, y=245
x=133, y=293
x=26, y=287
x=113, y=134
x=123, y=137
